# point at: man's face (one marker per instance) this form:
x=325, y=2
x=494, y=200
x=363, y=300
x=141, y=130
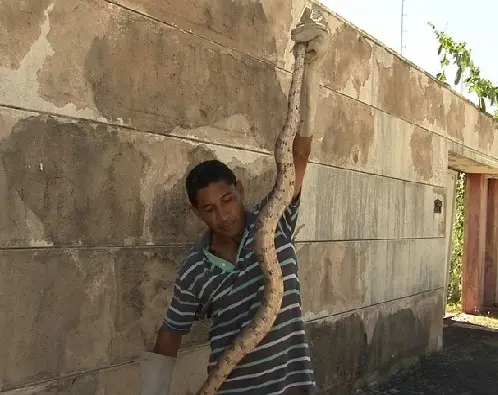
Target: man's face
x=221, y=207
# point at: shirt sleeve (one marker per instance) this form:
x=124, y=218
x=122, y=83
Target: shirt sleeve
x=184, y=309
x=288, y=220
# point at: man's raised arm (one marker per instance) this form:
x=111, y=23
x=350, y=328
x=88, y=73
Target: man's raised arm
x=317, y=37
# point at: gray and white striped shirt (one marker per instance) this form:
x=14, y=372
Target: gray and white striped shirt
x=230, y=295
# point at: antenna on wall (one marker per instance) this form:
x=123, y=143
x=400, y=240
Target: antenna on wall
x=402, y=25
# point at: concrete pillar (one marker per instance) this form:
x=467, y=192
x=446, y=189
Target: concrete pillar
x=474, y=246
x=491, y=268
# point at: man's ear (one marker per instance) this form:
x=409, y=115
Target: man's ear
x=240, y=190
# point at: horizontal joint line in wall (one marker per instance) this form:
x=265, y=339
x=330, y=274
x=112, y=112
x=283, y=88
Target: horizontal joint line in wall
x=402, y=118
x=200, y=141
x=317, y=319
x=173, y=26
x=131, y=128
x=368, y=240
x=188, y=245
x=75, y=375
x=365, y=172
x=93, y=247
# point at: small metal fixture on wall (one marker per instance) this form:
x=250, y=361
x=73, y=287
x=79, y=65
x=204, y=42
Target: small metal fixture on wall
x=438, y=206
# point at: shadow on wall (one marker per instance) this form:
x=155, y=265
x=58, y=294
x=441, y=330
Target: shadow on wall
x=79, y=180
x=343, y=352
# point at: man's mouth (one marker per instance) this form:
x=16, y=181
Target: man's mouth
x=228, y=226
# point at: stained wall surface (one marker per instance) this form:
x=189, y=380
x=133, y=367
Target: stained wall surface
x=104, y=107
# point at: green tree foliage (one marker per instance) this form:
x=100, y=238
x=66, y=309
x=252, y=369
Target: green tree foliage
x=467, y=71
x=455, y=275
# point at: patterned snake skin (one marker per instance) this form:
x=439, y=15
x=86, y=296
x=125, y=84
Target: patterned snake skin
x=265, y=227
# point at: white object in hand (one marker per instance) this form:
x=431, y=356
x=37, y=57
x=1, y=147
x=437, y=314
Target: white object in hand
x=156, y=371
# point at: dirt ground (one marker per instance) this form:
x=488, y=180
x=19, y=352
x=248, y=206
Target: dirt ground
x=467, y=365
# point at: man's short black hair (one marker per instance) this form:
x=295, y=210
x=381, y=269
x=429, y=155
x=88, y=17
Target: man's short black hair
x=204, y=174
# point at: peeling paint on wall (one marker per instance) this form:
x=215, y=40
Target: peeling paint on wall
x=20, y=26
x=21, y=86
x=421, y=156
x=106, y=107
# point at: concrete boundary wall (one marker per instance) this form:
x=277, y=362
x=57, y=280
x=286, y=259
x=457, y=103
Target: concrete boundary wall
x=104, y=107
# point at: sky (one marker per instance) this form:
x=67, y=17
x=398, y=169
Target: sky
x=471, y=21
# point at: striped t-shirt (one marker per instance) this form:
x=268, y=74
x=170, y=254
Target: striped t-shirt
x=208, y=286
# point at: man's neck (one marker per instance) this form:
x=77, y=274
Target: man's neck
x=225, y=247
x=219, y=241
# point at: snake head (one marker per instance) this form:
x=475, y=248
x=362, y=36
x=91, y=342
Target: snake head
x=313, y=30
x=313, y=16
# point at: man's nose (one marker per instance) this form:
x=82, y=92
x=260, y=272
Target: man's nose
x=224, y=214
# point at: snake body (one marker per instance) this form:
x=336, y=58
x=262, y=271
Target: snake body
x=266, y=224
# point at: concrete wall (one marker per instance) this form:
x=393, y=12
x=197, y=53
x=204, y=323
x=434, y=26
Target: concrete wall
x=104, y=106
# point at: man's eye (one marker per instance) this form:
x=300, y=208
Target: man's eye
x=227, y=199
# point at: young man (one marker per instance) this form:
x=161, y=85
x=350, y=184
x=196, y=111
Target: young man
x=220, y=278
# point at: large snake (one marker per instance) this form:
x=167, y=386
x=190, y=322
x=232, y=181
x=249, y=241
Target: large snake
x=266, y=224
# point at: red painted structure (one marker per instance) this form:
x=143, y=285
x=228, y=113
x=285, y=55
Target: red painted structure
x=491, y=256
x=474, y=247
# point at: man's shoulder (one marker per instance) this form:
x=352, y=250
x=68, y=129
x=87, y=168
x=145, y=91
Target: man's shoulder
x=295, y=203
x=192, y=262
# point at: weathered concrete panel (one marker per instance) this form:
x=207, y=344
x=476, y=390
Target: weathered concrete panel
x=367, y=342
x=23, y=82
x=254, y=28
x=464, y=121
x=349, y=63
x=360, y=67
x=150, y=76
x=354, y=136
x=406, y=93
x=374, y=341
x=48, y=72
x=350, y=206
x=262, y=29
x=79, y=309
x=118, y=298
x=81, y=183
x=78, y=183
x=410, y=94
x=345, y=132
x=188, y=375
x=17, y=34
x=343, y=276
x=122, y=380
